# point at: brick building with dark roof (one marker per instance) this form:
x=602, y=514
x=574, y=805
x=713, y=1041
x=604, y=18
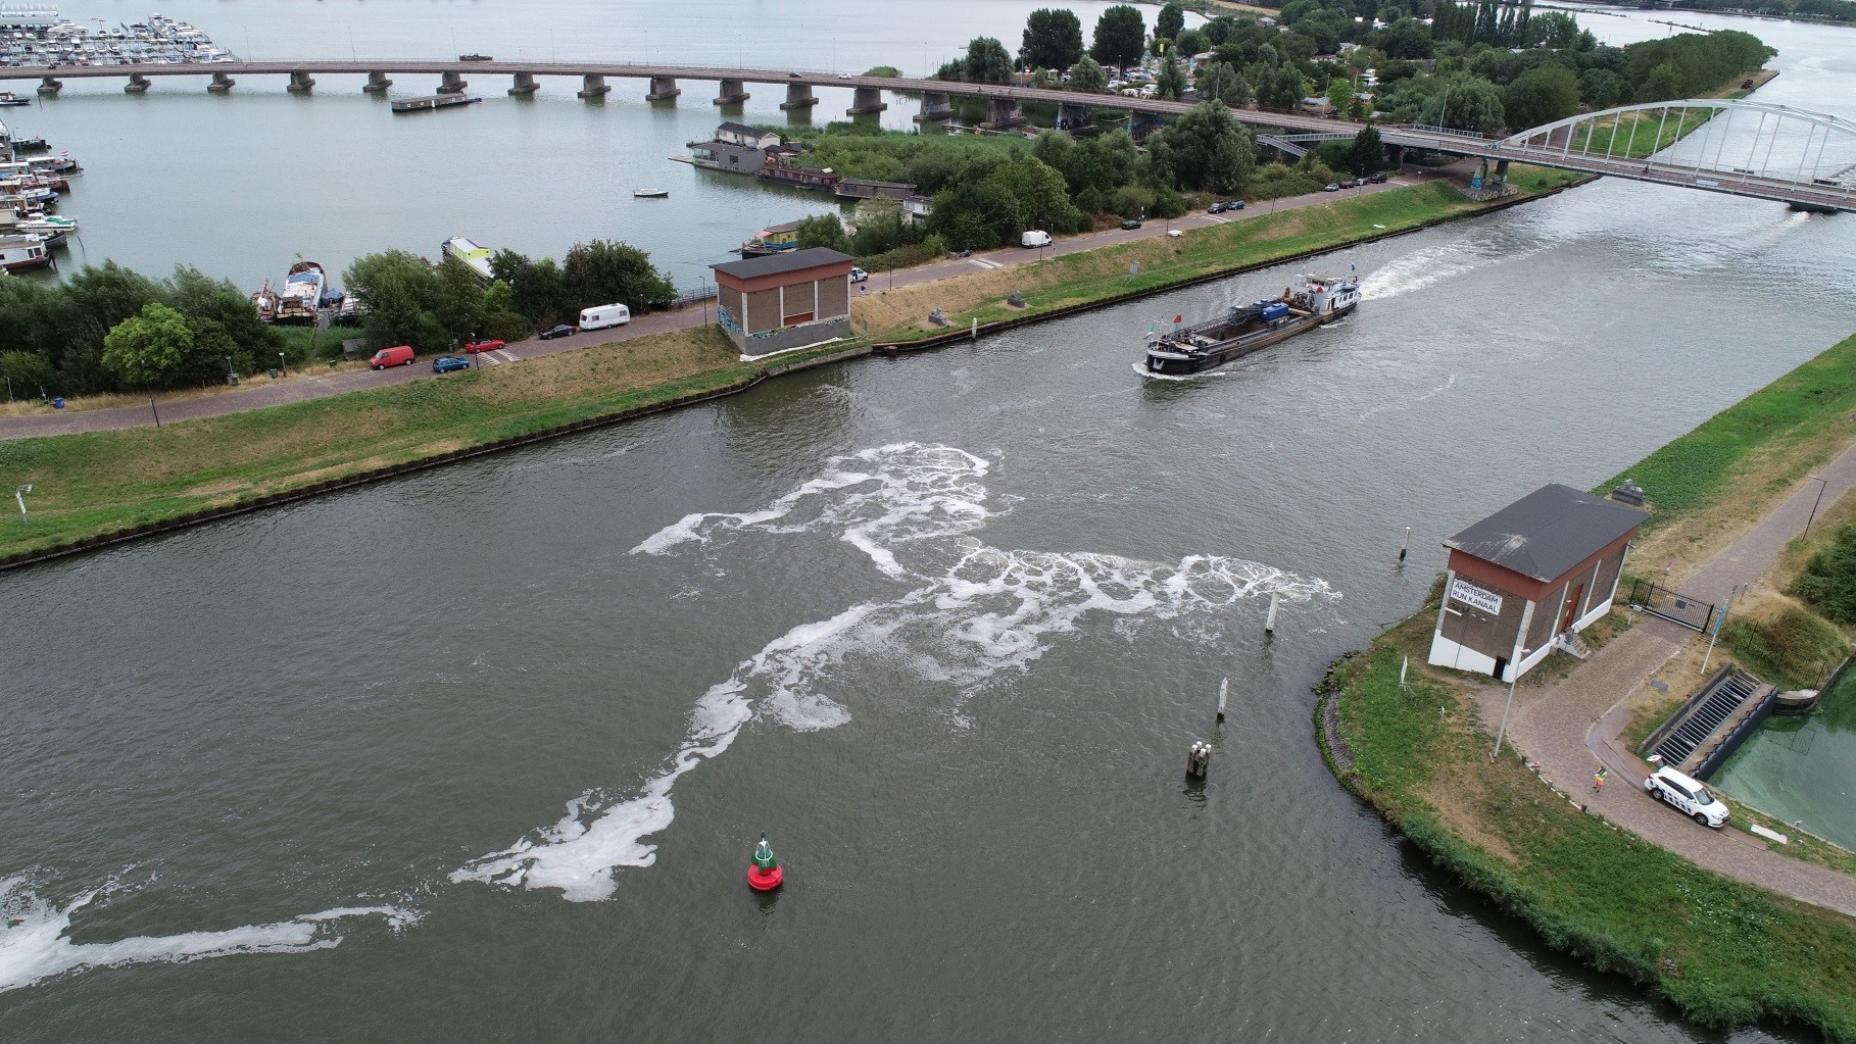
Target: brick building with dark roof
x=1543, y=567
x=784, y=301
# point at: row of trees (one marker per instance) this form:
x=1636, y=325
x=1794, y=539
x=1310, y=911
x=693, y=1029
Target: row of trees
x=110, y=329
x=410, y=302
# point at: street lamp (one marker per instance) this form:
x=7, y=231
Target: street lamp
x=1499, y=733
x=19, y=494
x=280, y=364
x=231, y=373
x=1814, y=505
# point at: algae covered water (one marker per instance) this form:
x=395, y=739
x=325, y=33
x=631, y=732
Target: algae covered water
x=1803, y=770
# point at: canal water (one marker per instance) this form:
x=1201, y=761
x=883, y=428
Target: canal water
x=482, y=753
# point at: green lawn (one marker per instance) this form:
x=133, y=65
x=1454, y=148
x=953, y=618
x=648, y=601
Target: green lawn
x=1724, y=953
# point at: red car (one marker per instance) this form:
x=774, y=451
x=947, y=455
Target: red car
x=483, y=346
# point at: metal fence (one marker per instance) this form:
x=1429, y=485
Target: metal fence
x=690, y=297
x=1660, y=601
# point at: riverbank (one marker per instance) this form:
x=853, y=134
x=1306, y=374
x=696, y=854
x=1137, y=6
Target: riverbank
x=104, y=486
x=1723, y=950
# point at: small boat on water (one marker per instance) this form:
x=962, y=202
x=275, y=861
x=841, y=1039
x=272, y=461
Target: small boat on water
x=9, y=98
x=650, y=193
x=29, y=145
x=1250, y=328
x=433, y=102
x=52, y=228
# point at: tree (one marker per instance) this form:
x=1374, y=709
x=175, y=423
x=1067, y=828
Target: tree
x=603, y=272
x=1053, y=39
x=460, y=300
x=1171, y=83
x=987, y=61
x=149, y=349
x=1340, y=93
x=1367, y=154
x=1280, y=88
x=1601, y=88
x=1541, y=95
x=1088, y=75
x=822, y=230
x=1171, y=20
x=1120, y=36
x=1190, y=42
x=203, y=300
x=1205, y=149
x=1465, y=103
x=403, y=296
x=1405, y=38
x=1220, y=81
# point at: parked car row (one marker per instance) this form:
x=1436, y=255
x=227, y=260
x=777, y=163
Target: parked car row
x=1225, y=204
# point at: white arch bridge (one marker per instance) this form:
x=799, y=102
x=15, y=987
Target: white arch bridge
x=1743, y=148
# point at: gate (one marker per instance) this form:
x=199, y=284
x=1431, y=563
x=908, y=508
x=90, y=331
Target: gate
x=1674, y=606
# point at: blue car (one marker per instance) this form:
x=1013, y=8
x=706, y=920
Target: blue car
x=447, y=363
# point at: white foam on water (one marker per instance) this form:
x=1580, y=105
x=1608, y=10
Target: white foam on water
x=970, y=612
x=1220, y=371
x=35, y=943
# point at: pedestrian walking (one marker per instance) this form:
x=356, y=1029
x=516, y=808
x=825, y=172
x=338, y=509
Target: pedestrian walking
x=1598, y=781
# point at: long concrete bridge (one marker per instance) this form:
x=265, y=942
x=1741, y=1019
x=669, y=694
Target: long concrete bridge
x=1568, y=144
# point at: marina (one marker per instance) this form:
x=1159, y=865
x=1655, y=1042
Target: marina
x=36, y=35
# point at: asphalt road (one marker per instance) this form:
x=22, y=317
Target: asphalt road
x=259, y=392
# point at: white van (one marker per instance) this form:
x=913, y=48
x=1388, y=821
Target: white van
x=601, y=316
x=1035, y=238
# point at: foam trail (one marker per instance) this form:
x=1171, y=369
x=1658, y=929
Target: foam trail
x=969, y=612
x=34, y=942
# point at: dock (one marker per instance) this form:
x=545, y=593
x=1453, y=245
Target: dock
x=433, y=101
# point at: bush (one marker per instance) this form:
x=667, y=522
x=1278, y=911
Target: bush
x=1829, y=578
x=1796, y=650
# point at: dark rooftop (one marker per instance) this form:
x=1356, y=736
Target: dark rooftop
x=777, y=264
x=741, y=128
x=1547, y=532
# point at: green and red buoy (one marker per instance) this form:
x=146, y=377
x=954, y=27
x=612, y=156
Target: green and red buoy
x=764, y=873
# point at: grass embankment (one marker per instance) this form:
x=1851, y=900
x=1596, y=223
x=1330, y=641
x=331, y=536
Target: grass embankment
x=96, y=483
x=1724, y=953
x=1090, y=275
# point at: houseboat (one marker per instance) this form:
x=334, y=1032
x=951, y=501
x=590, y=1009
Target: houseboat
x=1246, y=329
x=785, y=165
x=431, y=102
x=774, y=239
x=474, y=257
x=736, y=148
x=23, y=252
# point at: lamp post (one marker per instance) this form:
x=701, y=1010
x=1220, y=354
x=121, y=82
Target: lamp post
x=231, y=374
x=1499, y=733
x=1814, y=505
x=281, y=368
x=19, y=494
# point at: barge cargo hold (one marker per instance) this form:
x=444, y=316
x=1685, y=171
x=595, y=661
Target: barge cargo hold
x=431, y=102
x=1247, y=329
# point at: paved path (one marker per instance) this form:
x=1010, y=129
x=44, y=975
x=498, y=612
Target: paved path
x=259, y=392
x=1572, y=726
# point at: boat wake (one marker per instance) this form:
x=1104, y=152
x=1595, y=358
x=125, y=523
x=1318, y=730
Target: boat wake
x=35, y=944
x=1223, y=371
x=965, y=613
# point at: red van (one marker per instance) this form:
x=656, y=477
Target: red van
x=398, y=355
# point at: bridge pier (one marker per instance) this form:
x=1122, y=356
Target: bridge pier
x=593, y=87
x=138, y=84
x=731, y=92
x=1071, y=117
x=1003, y=112
x=525, y=85
x=663, y=88
x=221, y=84
x=798, y=96
x=300, y=83
x=452, y=82
x=377, y=83
x=866, y=100
x=50, y=86
x=935, y=108
x=1501, y=172
x=1395, y=155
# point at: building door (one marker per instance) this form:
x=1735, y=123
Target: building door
x=1572, y=608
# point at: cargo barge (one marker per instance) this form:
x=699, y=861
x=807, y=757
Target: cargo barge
x=1250, y=328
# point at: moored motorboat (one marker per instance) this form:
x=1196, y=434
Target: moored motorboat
x=301, y=298
x=1245, y=329
x=23, y=252
x=650, y=193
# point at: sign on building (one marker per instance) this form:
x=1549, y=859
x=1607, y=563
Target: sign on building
x=1480, y=598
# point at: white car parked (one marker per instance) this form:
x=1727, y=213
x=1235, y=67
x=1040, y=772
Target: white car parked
x=1688, y=796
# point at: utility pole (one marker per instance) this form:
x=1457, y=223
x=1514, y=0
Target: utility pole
x=1821, y=483
x=1718, y=622
x=19, y=494
x=1509, y=706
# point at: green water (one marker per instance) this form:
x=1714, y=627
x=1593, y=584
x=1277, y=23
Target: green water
x=1803, y=770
